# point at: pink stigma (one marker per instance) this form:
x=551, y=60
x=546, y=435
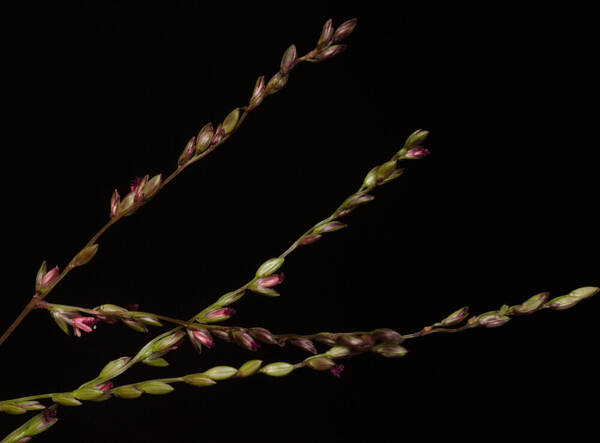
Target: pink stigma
x=269, y=282
x=337, y=370
x=105, y=386
x=203, y=338
x=84, y=323
x=417, y=152
x=135, y=183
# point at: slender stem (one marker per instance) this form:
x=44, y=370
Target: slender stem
x=26, y=310
x=31, y=397
x=422, y=332
x=102, y=230
x=31, y=305
x=284, y=254
x=240, y=291
x=427, y=330
x=119, y=314
x=129, y=314
x=37, y=297
x=134, y=314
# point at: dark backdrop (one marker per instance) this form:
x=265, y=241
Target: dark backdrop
x=96, y=93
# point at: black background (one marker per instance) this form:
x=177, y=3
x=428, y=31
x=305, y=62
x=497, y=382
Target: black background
x=96, y=93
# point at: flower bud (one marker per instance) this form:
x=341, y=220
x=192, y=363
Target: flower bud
x=389, y=350
x=146, y=318
x=155, y=362
x=563, y=302
x=231, y=121
x=249, y=368
x=270, y=281
x=370, y=180
x=135, y=184
x=491, y=319
x=12, y=408
x=154, y=387
x=288, y=60
x=416, y=153
x=385, y=170
x=127, y=392
x=108, y=308
x=127, y=205
x=344, y=212
x=353, y=202
x=326, y=34
x=40, y=275
x=188, y=152
x=531, y=305
x=327, y=338
x=115, y=200
x=263, y=335
x=344, y=30
x=416, y=138
x=199, y=380
x=585, y=292
x=330, y=226
x=200, y=337
x=222, y=334
x=220, y=372
x=195, y=343
x=138, y=190
x=352, y=341
x=217, y=315
x=168, y=342
x=309, y=239
x=85, y=255
x=87, y=393
x=263, y=285
x=107, y=385
x=150, y=188
x=204, y=138
x=369, y=340
x=245, y=340
x=258, y=93
x=30, y=405
x=393, y=176
x=278, y=369
x=319, y=363
x=60, y=321
x=48, y=278
x=277, y=82
x=304, y=343
x=65, y=400
x=455, y=318
x=34, y=426
x=270, y=266
x=338, y=351
x=230, y=297
x=388, y=335
x=218, y=135
x=114, y=367
x=329, y=52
